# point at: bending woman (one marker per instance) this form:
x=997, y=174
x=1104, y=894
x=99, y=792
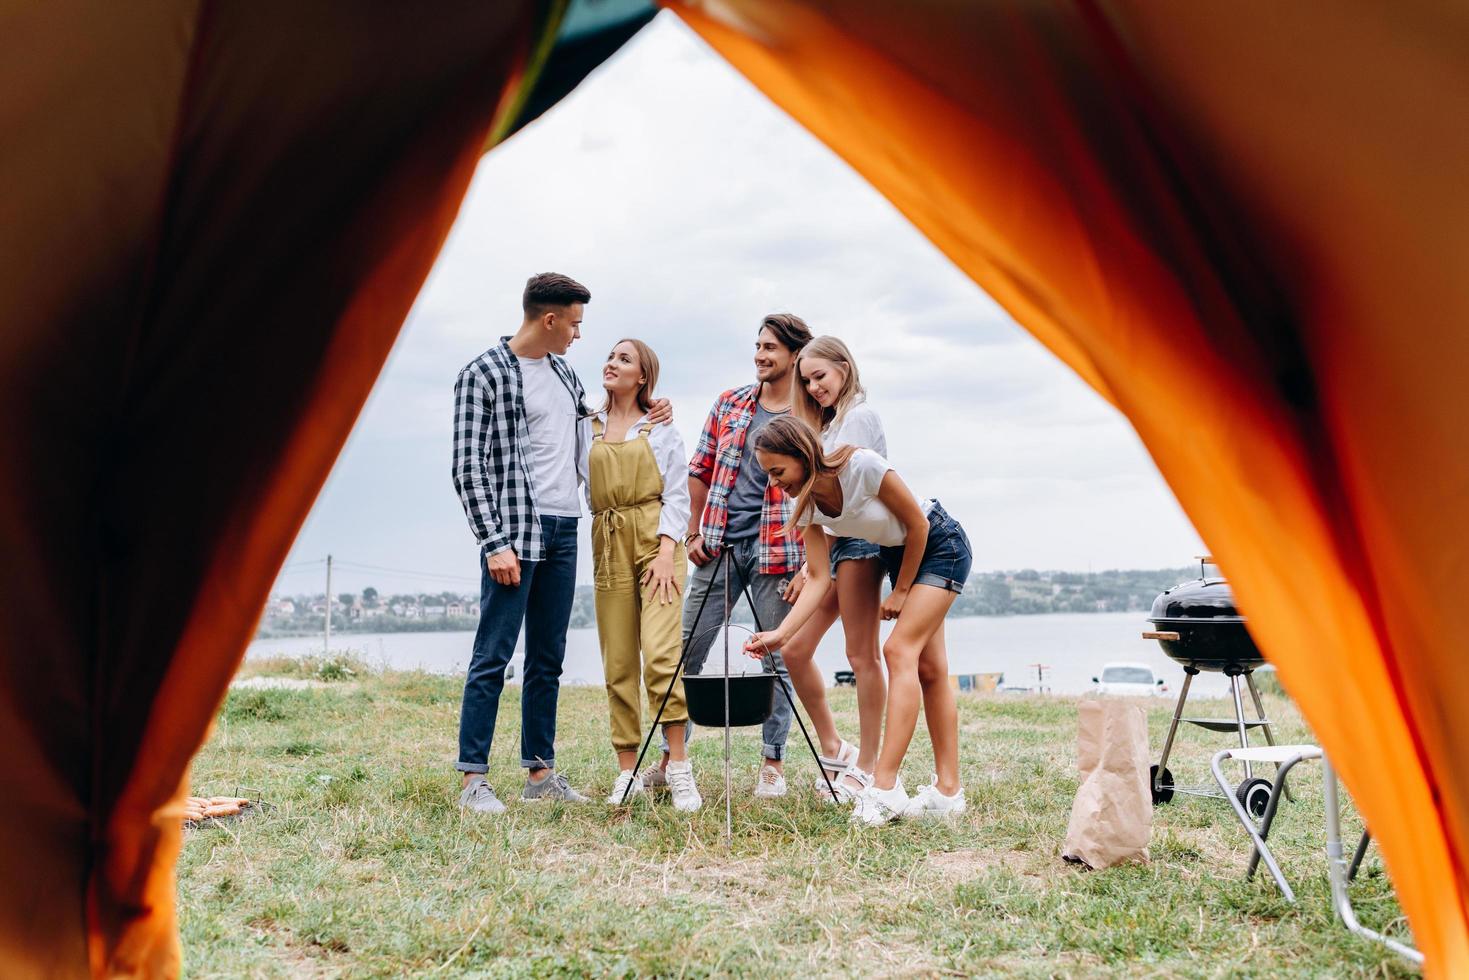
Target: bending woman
x=830, y=397
x=637, y=489
x=853, y=492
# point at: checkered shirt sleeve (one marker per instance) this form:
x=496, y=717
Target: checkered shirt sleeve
x=481, y=445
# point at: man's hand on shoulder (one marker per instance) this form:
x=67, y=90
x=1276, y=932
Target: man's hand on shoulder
x=661, y=412
x=504, y=567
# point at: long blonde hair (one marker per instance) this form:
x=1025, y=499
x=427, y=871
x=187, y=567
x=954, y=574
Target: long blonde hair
x=648, y=364
x=794, y=437
x=807, y=408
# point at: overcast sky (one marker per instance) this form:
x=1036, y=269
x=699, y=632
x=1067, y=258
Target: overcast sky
x=690, y=207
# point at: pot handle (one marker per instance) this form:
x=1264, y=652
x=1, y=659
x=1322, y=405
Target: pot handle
x=728, y=626
x=1156, y=635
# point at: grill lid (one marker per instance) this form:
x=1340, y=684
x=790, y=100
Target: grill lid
x=1204, y=600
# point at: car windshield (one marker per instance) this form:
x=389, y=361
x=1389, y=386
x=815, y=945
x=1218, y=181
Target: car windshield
x=1127, y=675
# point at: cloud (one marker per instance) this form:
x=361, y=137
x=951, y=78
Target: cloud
x=691, y=206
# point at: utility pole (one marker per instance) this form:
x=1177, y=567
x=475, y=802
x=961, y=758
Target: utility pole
x=326, y=645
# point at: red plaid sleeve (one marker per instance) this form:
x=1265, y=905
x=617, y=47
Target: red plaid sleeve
x=701, y=464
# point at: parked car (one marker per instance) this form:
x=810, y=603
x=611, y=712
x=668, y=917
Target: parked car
x=1129, y=679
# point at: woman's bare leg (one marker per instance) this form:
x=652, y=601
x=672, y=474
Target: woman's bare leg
x=940, y=712
x=800, y=658
x=922, y=616
x=859, y=596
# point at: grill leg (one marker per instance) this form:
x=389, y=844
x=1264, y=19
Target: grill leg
x=1269, y=735
x=1239, y=716
x=1188, y=678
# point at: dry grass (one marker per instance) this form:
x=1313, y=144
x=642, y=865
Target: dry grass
x=365, y=867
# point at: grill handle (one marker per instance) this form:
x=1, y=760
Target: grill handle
x=1156, y=635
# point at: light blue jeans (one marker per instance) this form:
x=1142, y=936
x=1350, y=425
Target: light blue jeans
x=770, y=610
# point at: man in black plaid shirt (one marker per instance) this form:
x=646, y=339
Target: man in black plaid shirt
x=521, y=434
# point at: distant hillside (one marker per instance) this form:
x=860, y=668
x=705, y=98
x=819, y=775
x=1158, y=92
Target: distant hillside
x=1023, y=593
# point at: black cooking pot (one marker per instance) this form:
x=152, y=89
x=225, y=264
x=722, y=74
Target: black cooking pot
x=1198, y=626
x=751, y=699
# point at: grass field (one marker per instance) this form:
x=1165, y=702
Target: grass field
x=362, y=865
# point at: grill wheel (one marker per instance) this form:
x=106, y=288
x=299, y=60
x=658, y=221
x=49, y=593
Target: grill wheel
x=1254, y=795
x=1161, y=786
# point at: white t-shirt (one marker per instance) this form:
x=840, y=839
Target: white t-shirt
x=673, y=464
x=860, y=426
x=550, y=414
x=863, y=515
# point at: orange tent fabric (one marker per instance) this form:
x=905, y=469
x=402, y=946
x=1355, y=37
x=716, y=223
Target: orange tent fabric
x=1246, y=226
x=215, y=219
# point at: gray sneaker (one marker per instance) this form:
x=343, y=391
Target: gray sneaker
x=553, y=787
x=478, y=797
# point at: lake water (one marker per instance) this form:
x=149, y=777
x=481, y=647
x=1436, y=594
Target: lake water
x=1073, y=645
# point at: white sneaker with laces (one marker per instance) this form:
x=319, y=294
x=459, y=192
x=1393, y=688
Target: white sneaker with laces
x=876, y=807
x=625, y=779
x=770, y=783
x=681, y=784
x=654, y=777
x=929, y=802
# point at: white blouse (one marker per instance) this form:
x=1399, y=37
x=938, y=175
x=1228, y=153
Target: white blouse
x=673, y=465
x=859, y=425
x=863, y=515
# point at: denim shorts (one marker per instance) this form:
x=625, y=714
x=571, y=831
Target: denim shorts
x=845, y=549
x=946, y=558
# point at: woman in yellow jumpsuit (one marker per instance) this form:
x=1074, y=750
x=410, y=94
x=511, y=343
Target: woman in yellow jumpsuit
x=638, y=492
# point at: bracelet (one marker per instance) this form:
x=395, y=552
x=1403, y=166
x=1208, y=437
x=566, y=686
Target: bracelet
x=691, y=536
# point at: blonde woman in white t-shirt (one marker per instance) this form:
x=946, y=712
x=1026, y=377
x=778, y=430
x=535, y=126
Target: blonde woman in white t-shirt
x=855, y=493
x=829, y=397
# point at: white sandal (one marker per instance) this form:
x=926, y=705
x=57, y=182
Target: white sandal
x=846, y=792
x=845, y=759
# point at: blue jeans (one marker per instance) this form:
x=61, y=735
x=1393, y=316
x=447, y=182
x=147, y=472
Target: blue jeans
x=543, y=602
x=770, y=611
x=850, y=549
x=946, y=557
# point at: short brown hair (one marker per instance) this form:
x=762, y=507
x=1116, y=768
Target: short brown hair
x=547, y=289
x=789, y=329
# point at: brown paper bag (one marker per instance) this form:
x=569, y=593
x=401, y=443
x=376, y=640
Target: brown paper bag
x=1112, y=817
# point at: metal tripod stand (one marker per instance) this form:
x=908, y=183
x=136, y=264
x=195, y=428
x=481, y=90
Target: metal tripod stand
x=783, y=681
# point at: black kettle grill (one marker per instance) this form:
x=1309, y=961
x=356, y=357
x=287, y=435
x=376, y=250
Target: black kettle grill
x=1199, y=628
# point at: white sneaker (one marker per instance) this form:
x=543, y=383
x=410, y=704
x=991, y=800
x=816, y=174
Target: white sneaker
x=876, y=807
x=654, y=777
x=625, y=779
x=681, y=783
x=929, y=802
x=770, y=783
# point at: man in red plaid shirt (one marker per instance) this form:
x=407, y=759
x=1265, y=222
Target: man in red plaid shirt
x=735, y=509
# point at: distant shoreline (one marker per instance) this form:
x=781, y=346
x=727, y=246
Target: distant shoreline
x=987, y=594
x=467, y=625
